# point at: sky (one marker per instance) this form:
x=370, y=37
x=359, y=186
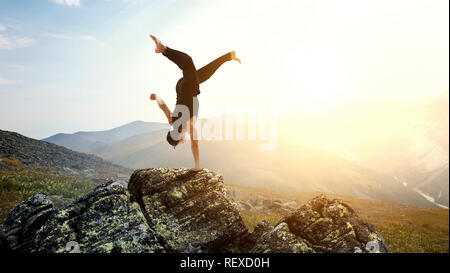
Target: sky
x=81, y=65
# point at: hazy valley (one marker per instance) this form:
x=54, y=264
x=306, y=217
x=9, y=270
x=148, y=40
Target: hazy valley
x=387, y=150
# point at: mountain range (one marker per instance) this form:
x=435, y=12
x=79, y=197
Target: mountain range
x=87, y=140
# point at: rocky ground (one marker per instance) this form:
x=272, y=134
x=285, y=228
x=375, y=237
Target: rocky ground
x=34, y=152
x=176, y=210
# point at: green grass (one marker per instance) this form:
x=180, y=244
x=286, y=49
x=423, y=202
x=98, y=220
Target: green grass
x=18, y=185
x=404, y=239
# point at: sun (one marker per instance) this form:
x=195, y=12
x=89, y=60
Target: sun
x=318, y=80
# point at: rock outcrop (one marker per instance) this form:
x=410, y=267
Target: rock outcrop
x=23, y=222
x=177, y=210
x=333, y=226
x=189, y=210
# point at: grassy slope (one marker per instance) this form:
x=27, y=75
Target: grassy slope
x=23, y=182
x=405, y=228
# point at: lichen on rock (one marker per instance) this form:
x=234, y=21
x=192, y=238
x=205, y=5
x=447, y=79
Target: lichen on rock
x=22, y=223
x=103, y=221
x=189, y=209
x=332, y=226
x=279, y=239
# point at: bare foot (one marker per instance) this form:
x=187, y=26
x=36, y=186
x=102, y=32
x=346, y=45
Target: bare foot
x=233, y=57
x=160, y=48
x=196, y=169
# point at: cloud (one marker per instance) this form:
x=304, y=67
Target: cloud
x=4, y=81
x=71, y=37
x=66, y=2
x=9, y=42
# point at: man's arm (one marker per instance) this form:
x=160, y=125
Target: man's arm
x=163, y=107
x=194, y=145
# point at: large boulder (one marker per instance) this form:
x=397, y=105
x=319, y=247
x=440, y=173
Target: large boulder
x=21, y=224
x=333, y=226
x=104, y=220
x=178, y=210
x=190, y=210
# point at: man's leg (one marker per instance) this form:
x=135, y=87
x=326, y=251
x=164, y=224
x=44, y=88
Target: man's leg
x=208, y=70
x=190, y=85
x=181, y=59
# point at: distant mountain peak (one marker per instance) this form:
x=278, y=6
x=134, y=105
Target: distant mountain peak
x=85, y=140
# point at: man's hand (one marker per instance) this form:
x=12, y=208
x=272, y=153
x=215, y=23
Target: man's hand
x=158, y=99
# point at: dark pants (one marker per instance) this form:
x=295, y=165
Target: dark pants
x=188, y=86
